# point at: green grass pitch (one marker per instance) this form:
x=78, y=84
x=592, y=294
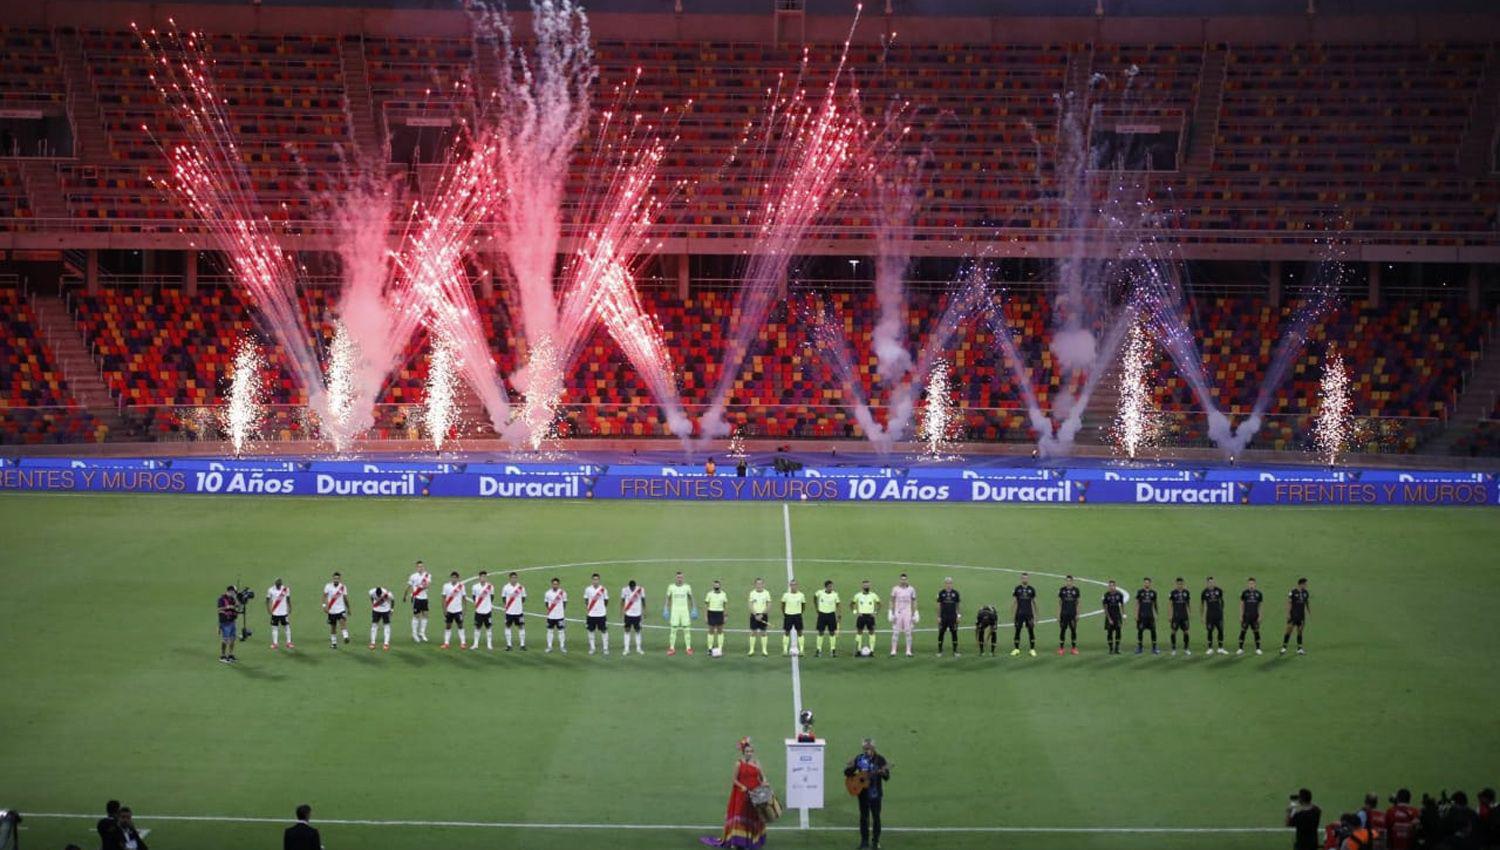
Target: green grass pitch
x=112, y=687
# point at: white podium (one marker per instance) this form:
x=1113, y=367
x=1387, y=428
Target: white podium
x=804, y=776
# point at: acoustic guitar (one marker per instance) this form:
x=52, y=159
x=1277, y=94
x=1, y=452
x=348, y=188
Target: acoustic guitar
x=857, y=782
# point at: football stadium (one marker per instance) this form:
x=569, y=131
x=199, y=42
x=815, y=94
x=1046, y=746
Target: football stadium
x=1037, y=424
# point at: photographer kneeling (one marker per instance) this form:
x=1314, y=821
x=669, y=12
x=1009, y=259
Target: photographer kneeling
x=1304, y=817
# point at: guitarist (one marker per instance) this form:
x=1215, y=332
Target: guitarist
x=865, y=776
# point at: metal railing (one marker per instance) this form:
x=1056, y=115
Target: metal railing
x=1006, y=424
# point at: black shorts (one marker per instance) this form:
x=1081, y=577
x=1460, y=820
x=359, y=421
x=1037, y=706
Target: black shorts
x=335, y=619
x=1112, y=621
x=279, y=620
x=1295, y=618
x=1250, y=623
x=514, y=620
x=1024, y=618
x=983, y=626
x=828, y=624
x=1068, y=619
x=556, y=624
x=1180, y=623
x=792, y=621
x=864, y=623
x=451, y=618
x=484, y=621
x=948, y=624
x=1214, y=621
x=1145, y=623
x=596, y=624
x=716, y=619
x=632, y=624
x=419, y=606
x=760, y=622
x=380, y=616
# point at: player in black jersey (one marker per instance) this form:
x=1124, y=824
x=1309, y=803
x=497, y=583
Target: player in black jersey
x=1114, y=616
x=1145, y=617
x=1298, y=607
x=987, y=621
x=1181, y=599
x=1023, y=612
x=948, y=615
x=1250, y=599
x=1211, y=606
x=1067, y=614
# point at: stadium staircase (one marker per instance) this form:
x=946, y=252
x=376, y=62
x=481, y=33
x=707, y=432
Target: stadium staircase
x=43, y=191
x=72, y=356
x=1199, y=153
x=1099, y=416
x=1080, y=68
x=1477, y=401
x=1475, y=150
x=92, y=139
x=358, y=100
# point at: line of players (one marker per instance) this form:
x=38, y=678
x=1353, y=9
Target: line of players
x=680, y=610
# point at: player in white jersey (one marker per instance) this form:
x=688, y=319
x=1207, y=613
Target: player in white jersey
x=336, y=606
x=279, y=606
x=453, y=611
x=902, y=612
x=556, y=600
x=381, y=603
x=483, y=594
x=632, y=608
x=416, y=590
x=596, y=612
x=512, y=603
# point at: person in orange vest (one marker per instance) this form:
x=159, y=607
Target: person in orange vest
x=1355, y=836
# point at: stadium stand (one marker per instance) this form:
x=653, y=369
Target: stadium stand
x=162, y=349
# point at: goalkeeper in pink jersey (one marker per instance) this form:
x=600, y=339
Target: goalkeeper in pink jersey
x=902, y=612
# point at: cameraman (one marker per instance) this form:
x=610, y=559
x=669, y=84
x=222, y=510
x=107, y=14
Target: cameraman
x=229, y=614
x=1304, y=817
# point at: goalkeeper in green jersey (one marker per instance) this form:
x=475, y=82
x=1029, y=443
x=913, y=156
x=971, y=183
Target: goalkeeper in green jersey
x=680, y=612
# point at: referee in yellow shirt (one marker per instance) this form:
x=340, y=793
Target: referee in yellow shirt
x=827, y=603
x=864, y=605
x=715, y=601
x=760, y=615
x=792, y=603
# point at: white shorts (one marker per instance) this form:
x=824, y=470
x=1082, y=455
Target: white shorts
x=901, y=623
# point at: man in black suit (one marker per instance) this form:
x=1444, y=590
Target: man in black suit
x=301, y=835
x=120, y=833
x=108, y=824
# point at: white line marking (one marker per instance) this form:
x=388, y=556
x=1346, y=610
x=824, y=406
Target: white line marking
x=1106, y=830
x=786, y=524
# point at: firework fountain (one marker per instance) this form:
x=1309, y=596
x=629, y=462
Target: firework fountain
x=208, y=174
x=1163, y=298
x=619, y=208
x=377, y=311
x=1088, y=327
x=1333, y=426
x=432, y=257
x=1137, y=421
x=939, y=426
x=240, y=418
x=440, y=399
x=968, y=298
x=536, y=112
x=807, y=151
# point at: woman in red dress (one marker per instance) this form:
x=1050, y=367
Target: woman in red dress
x=743, y=826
